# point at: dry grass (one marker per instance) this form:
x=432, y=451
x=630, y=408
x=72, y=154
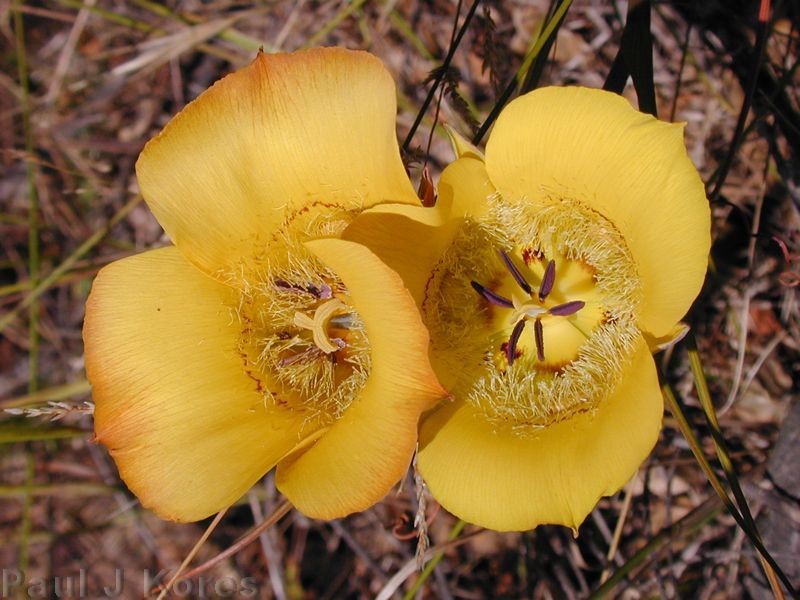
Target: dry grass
x=103, y=76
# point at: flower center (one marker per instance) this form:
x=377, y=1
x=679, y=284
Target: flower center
x=318, y=325
x=302, y=341
x=542, y=307
x=540, y=330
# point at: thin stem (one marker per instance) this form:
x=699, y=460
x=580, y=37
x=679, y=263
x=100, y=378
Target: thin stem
x=762, y=33
x=33, y=199
x=412, y=592
x=189, y=557
x=248, y=539
x=550, y=29
x=440, y=75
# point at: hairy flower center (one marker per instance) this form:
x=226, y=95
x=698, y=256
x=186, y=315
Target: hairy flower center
x=532, y=312
x=302, y=340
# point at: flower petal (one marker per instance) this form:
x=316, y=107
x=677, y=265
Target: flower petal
x=187, y=427
x=592, y=146
x=411, y=239
x=288, y=133
x=460, y=145
x=368, y=450
x=394, y=232
x=464, y=188
x=502, y=481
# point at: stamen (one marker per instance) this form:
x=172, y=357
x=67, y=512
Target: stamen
x=538, y=333
x=548, y=280
x=518, y=277
x=290, y=360
x=511, y=348
x=567, y=309
x=490, y=296
x=344, y=321
x=322, y=292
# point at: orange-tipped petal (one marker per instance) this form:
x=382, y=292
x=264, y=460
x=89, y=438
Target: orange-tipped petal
x=307, y=131
x=187, y=427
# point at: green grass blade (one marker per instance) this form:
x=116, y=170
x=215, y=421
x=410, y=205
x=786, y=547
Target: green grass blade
x=548, y=32
x=683, y=529
x=65, y=266
x=229, y=34
x=426, y=572
x=24, y=430
x=33, y=197
x=53, y=394
x=348, y=9
x=678, y=411
x=533, y=71
x=747, y=523
x=57, y=490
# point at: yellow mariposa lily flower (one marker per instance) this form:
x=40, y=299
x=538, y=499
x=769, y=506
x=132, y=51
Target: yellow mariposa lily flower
x=262, y=338
x=545, y=275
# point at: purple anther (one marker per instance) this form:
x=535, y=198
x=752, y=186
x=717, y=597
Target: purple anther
x=518, y=277
x=538, y=333
x=322, y=292
x=290, y=360
x=310, y=288
x=490, y=296
x=511, y=347
x=325, y=292
x=567, y=309
x=548, y=280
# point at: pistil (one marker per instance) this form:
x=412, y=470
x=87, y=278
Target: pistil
x=319, y=323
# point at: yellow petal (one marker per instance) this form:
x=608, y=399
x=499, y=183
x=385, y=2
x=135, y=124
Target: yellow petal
x=510, y=483
x=592, y=146
x=675, y=335
x=290, y=132
x=464, y=188
x=187, y=427
x=357, y=461
x=462, y=146
x=412, y=239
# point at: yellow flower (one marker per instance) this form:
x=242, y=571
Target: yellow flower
x=262, y=338
x=543, y=274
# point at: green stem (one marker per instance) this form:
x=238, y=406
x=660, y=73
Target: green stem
x=33, y=198
x=689, y=525
x=426, y=572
